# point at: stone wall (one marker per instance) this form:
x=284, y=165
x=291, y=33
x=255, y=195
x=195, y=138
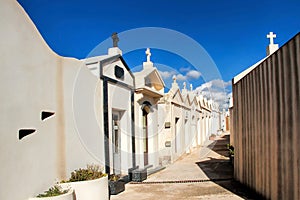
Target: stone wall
x=266, y=122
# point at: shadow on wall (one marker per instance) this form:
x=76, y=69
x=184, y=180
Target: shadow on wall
x=220, y=171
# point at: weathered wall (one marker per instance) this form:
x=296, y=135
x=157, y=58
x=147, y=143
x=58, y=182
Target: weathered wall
x=266, y=122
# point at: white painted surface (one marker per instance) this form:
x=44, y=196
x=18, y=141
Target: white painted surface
x=194, y=122
x=91, y=189
x=34, y=79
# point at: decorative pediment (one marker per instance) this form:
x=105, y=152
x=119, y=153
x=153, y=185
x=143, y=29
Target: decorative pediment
x=177, y=97
x=149, y=80
x=194, y=101
x=187, y=100
x=111, y=66
x=154, y=80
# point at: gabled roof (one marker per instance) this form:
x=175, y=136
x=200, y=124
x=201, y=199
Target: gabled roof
x=95, y=59
x=104, y=59
x=176, y=94
x=187, y=100
x=194, y=99
x=149, y=76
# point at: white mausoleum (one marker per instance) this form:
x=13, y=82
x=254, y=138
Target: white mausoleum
x=60, y=114
x=186, y=120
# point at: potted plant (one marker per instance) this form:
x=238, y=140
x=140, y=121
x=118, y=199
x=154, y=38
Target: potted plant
x=89, y=183
x=212, y=137
x=231, y=153
x=55, y=193
x=116, y=185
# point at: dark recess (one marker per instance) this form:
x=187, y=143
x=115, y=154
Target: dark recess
x=25, y=132
x=46, y=114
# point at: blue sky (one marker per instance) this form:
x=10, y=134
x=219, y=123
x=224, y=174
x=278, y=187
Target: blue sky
x=233, y=32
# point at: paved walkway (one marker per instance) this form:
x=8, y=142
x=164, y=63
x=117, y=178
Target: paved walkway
x=206, y=173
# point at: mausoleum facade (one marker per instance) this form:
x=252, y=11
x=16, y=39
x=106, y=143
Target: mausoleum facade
x=60, y=114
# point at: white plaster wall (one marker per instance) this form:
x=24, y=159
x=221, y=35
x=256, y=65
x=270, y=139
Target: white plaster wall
x=22, y=82
x=109, y=71
x=84, y=126
x=138, y=131
x=164, y=134
x=153, y=132
x=199, y=130
x=94, y=68
x=194, y=128
x=187, y=130
x=33, y=78
x=178, y=112
x=163, y=117
x=215, y=122
x=120, y=100
x=153, y=137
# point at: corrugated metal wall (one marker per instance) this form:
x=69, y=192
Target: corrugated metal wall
x=266, y=123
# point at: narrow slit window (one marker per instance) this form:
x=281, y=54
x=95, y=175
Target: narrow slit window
x=46, y=114
x=25, y=132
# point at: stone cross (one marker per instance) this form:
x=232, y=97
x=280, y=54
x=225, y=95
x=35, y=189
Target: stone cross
x=184, y=85
x=174, y=79
x=115, y=39
x=191, y=87
x=148, y=53
x=271, y=36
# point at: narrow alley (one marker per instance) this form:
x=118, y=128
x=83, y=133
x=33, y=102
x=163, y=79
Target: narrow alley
x=206, y=173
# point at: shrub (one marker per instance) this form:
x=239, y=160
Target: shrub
x=90, y=173
x=231, y=149
x=53, y=191
x=114, y=177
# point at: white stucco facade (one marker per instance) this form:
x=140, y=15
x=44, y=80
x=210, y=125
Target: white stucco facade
x=35, y=80
x=116, y=85
x=148, y=91
x=185, y=122
x=37, y=152
x=60, y=114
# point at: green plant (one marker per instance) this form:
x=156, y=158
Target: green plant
x=231, y=149
x=53, y=191
x=90, y=173
x=114, y=177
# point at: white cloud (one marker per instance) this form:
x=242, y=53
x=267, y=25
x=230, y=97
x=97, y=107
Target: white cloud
x=166, y=74
x=218, y=90
x=216, y=83
x=181, y=77
x=193, y=74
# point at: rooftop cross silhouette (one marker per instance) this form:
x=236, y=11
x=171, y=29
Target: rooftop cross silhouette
x=271, y=36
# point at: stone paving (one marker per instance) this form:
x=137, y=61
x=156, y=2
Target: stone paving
x=205, y=173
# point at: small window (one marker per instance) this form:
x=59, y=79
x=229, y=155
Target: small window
x=46, y=114
x=119, y=72
x=168, y=144
x=25, y=132
x=168, y=125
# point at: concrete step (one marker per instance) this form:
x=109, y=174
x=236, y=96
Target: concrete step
x=154, y=170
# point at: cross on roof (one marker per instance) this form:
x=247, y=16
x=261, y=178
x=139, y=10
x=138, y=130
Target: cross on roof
x=174, y=79
x=148, y=53
x=184, y=85
x=271, y=36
